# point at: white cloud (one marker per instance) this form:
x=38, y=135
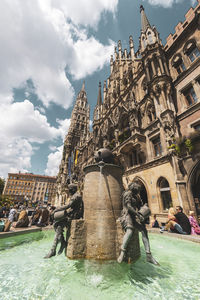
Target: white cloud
x=21, y=126
x=39, y=40
x=20, y=120
x=38, y=44
x=91, y=55
x=15, y=155
x=53, y=163
x=164, y=3
x=63, y=127
x=85, y=12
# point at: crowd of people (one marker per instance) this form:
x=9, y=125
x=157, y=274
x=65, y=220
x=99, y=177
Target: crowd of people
x=20, y=216
x=41, y=216
x=178, y=222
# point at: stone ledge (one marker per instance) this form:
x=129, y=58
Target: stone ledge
x=18, y=231
x=191, y=238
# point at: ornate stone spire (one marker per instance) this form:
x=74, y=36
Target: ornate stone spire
x=99, y=98
x=83, y=87
x=144, y=21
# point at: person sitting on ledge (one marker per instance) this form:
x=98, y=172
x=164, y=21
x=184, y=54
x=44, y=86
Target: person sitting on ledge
x=155, y=223
x=195, y=228
x=172, y=224
x=36, y=215
x=23, y=219
x=44, y=218
x=11, y=218
x=178, y=222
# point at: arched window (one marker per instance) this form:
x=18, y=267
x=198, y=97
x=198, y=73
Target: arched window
x=178, y=64
x=191, y=50
x=165, y=193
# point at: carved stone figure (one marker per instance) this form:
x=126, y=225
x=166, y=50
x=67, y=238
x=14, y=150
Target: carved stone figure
x=63, y=217
x=133, y=216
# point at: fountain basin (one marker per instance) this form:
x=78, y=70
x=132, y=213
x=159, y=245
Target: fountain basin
x=26, y=275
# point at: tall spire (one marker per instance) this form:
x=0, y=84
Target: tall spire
x=144, y=21
x=83, y=87
x=99, y=99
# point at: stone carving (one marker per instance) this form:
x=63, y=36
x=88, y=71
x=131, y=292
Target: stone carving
x=133, y=216
x=63, y=217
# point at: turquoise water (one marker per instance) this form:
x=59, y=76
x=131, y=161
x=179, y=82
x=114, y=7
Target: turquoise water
x=25, y=275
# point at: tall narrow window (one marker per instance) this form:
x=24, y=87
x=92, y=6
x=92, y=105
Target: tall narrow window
x=157, y=147
x=165, y=193
x=190, y=95
x=178, y=64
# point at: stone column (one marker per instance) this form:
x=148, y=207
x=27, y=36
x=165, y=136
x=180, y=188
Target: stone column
x=153, y=67
x=161, y=65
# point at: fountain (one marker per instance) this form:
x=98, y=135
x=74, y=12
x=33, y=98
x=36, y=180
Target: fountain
x=97, y=238
x=26, y=275
x=99, y=235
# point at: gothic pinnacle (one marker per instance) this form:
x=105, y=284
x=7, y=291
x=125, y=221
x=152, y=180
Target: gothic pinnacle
x=144, y=21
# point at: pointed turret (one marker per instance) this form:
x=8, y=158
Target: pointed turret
x=149, y=34
x=99, y=98
x=83, y=87
x=144, y=21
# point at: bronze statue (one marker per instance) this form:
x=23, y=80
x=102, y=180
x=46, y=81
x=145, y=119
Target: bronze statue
x=133, y=216
x=63, y=217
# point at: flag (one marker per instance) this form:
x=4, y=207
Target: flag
x=69, y=166
x=76, y=157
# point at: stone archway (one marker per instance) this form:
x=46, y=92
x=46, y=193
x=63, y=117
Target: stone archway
x=194, y=187
x=143, y=191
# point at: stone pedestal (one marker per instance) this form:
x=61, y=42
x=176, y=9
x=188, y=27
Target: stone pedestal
x=77, y=242
x=99, y=236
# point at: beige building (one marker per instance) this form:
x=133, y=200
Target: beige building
x=150, y=101
x=30, y=188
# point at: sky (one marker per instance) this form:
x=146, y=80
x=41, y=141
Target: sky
x=48, y=48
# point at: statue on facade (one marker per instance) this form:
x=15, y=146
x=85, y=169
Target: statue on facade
x=62, y=218
x=134, y=214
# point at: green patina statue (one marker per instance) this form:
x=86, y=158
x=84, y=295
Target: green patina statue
x=62, y=218
x=134, y=215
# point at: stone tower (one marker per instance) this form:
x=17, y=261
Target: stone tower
x=77, y=135
x=158, y=82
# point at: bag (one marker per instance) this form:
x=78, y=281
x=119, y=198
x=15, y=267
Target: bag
x=60, y=215
x=2, y=226
x=145, y=211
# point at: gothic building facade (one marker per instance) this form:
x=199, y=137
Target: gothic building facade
x=148, y=114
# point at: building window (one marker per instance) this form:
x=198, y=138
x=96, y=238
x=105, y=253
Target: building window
x=165, y=193
x=196, y=126
x=181, y=67
x=190, y=95
x=191, y=50
x=157, y=147
x=133, y=158
x=178, y=64
x=193, y=54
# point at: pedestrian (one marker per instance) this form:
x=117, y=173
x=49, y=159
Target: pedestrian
x=183, y=220
x=11, y=218
x=195, y=228
x=155, y=223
